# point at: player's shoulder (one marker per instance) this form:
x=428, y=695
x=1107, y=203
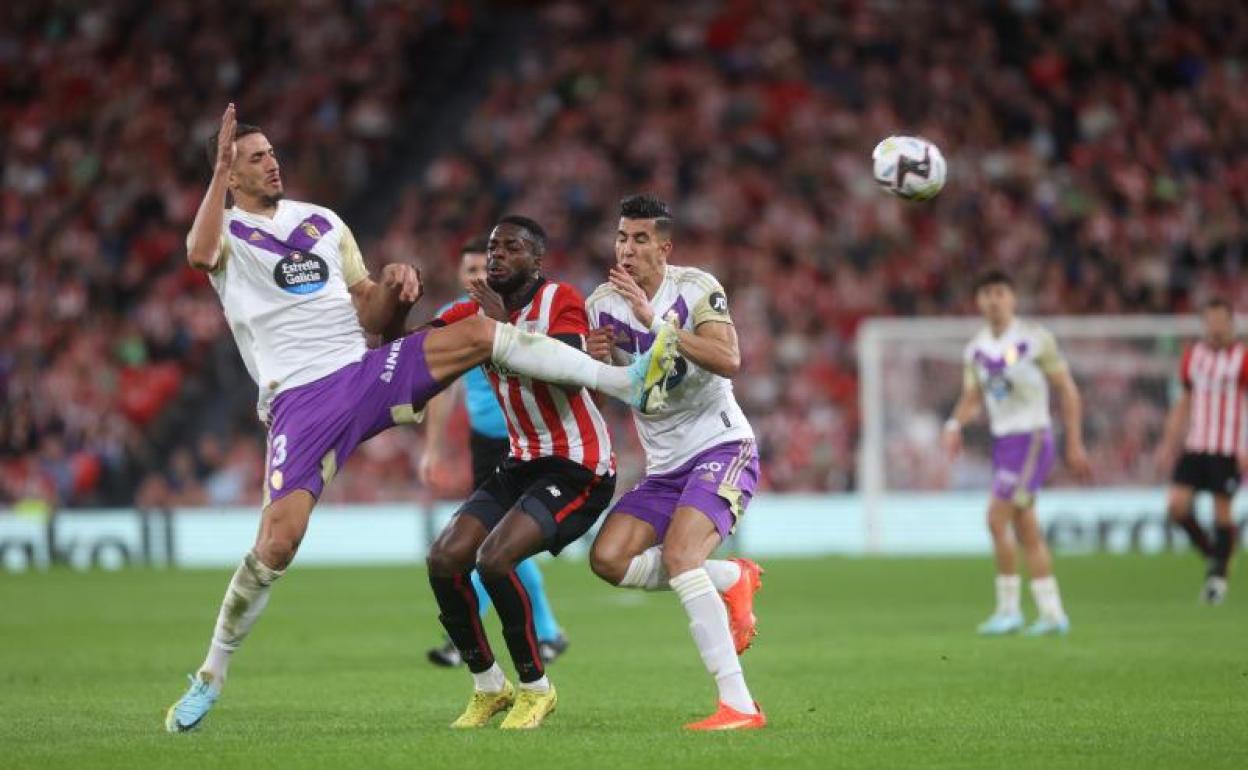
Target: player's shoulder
x=602, y=294
x=1033, y=330
x=695, y=278
x=565, y=290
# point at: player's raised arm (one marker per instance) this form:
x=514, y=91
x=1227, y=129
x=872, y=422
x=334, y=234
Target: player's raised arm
x=203, y=244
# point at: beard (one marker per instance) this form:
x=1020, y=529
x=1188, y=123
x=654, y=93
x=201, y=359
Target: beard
x=272, y=199
x=509, y=285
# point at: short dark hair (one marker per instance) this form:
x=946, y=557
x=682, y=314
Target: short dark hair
x=240, y=130
x=646, y=206
x=474, y=246
x=536, y=232
x=1218, y=303
x=993, y=277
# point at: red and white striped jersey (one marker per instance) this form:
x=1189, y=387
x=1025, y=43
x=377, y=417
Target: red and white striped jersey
x=1216, y=379
x=545, y=420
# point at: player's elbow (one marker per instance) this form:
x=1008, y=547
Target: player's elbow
x=201, y=260
x=730, y=364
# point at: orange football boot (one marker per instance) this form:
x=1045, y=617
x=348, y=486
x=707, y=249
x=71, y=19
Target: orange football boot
x=740, y=602
x=728, y=718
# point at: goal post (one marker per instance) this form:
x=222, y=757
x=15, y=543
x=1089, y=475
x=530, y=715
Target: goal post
x=910, y=374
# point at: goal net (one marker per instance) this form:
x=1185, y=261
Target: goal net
x=910, y=375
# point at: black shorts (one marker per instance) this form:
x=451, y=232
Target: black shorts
x=1218, y=474
x=563, y=497
x=487, y=453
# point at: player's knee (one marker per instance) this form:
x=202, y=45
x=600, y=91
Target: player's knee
x=277, y=550
x=610, y=564
x=443, y=561
x=494, y=562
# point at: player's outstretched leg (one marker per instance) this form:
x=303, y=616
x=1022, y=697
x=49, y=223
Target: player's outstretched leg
x=282, y=527
x=1052, y=618
x=453, y=350
x=1007, y=618
x=450, y=562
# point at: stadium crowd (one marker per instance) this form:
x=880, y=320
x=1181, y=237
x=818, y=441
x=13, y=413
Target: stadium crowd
x=1095, y=151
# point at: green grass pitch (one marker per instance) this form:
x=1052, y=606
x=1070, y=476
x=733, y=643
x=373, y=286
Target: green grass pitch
x=859, y=663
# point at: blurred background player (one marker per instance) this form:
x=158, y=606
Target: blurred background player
x=1214, y=373
x=298, y=298
x=1009, y=367
x=488, y=445
x=701, y=458
x=557, y=480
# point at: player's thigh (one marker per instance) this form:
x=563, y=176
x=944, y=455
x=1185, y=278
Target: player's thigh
x=455, y=549
x=565, y=499
x=1000, y=516
x=620, y=539
x=1179, y=499
x=719, y=487
x=282, y=527
x=452, y=350
x=517, y=537
x=1027, y=527
x=691, y=539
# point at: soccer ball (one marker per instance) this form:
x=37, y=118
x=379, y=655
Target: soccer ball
x=909, y=167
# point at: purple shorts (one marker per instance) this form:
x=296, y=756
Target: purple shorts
x=316, y=427
x=719, y=482
x=1020, y=464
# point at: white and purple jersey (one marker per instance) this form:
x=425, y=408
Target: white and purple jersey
x=283, y=285
x=1012, y=373
x=702, y=411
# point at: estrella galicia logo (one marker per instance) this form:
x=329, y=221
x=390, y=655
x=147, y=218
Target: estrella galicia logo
x=719, y=303
x=301, y=272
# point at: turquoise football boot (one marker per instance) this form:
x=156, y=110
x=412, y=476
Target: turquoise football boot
x=1001, y=625
x=1049, y=627
x=652, y=370
x=191, y=708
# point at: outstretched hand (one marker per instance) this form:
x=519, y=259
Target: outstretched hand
x=404, y=280
x=225, y=138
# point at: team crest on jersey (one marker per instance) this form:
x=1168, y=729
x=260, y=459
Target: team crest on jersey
x=311, y=231
x=301, y=273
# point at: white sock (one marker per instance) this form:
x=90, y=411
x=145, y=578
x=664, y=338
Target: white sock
x=1048, y=599
x=547, y=359
x=646, y=571
x=245, y=599
x=540, y=685
x=708, y=622
x=724, y=574
x=490, y=680
x=1009, y=592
